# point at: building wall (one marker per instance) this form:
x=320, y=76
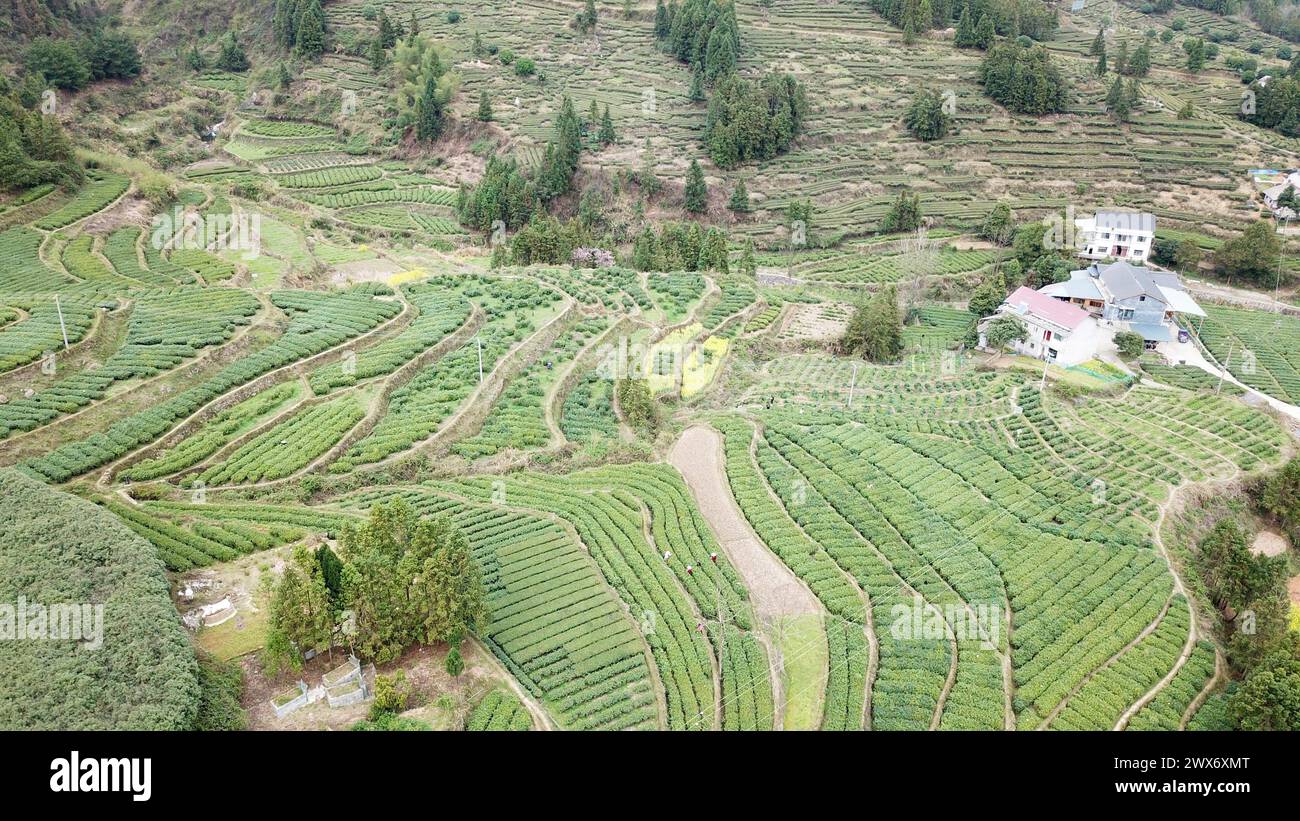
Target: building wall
x=1076, y=346
x=1148, y=311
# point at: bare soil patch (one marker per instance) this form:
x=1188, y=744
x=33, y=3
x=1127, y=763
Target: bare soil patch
x=1268, y=542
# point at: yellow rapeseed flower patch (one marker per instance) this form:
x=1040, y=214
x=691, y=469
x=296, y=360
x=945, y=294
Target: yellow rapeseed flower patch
x=404, y=277
x=702, y=365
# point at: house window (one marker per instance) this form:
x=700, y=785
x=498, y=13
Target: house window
x=1047, y=336
x=1051, y=353
x=1142, y=298
x=1126, y=313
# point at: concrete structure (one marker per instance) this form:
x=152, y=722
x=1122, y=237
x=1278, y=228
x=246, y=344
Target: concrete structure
x=1126, y=235
x=1127, y=297
x=1057, y=331
x=1272, y=194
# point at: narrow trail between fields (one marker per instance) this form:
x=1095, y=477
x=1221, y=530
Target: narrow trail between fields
x=774, y=590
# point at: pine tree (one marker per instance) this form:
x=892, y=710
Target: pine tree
x=477, y=47
x=1101, y=64
x=697, y=191
x=984, y=32
x=739, y=202
x=376, y=54
x=1140, y=63
x=454, y=665
x=311, y=31
x=747, y=265
x=484, y=107
x=429, y=111
x=1117, y=101
x=1098, y=44
x=697, y=85
x=1121, y=58
x=607, y=136
x=284, y=80
x=285, y=24
x=965, y=37
x=194, y=59
x=387, y=34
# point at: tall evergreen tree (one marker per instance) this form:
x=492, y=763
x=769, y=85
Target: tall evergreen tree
x=606, y=136
x=1098, y=47
x=965, y=36
x=285, y=24
x=429, y=111
x=739, y=202
x=697, y=191
x=484, y=107
x=984, y=31
x=310, y=40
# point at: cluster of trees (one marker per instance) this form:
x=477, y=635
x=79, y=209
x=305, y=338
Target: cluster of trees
x=1024, y=79
x=1033, y=261
x=702, y=33
x=1135, y=64
x=1122, y=98
x=1252, y=256
x=753, y=120
x=1181, y=255
x=903, y=215
x=1250, y=591
x=637, y=403
x=973, y=32
x=505, y=194
x=680, y=247
x=875, y=331
x=1277, y=105
x=34, y=149
x=989, y=295
x=102, y=55
x=927, y=117
x=424, y=88
x=560, y=163
x=401, y=580
x=747, y=120
x=231, y=57
x=983, y=18
x=300, y=25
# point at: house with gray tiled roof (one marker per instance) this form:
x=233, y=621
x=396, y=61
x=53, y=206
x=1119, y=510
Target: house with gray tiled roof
x=1129, y=297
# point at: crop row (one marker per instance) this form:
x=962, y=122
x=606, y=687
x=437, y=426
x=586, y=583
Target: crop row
x=440, y=313
x=210, y=438
x=289, y=446
x=317, y=321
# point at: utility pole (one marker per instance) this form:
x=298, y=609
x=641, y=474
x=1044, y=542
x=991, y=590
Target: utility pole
x=853, y=381
x=62, y=327
x=479, y=340
x=1277, y=283
x=1042, y=384
x=1223, y=369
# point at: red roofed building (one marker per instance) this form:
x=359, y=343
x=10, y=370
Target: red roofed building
x=1057, y=331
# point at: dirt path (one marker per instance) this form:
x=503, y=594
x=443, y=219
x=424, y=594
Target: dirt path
x=541, y=719
x=774, y=590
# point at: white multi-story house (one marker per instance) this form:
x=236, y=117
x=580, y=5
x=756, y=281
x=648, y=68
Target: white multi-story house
x=1056, y=330
x=1126, y=235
